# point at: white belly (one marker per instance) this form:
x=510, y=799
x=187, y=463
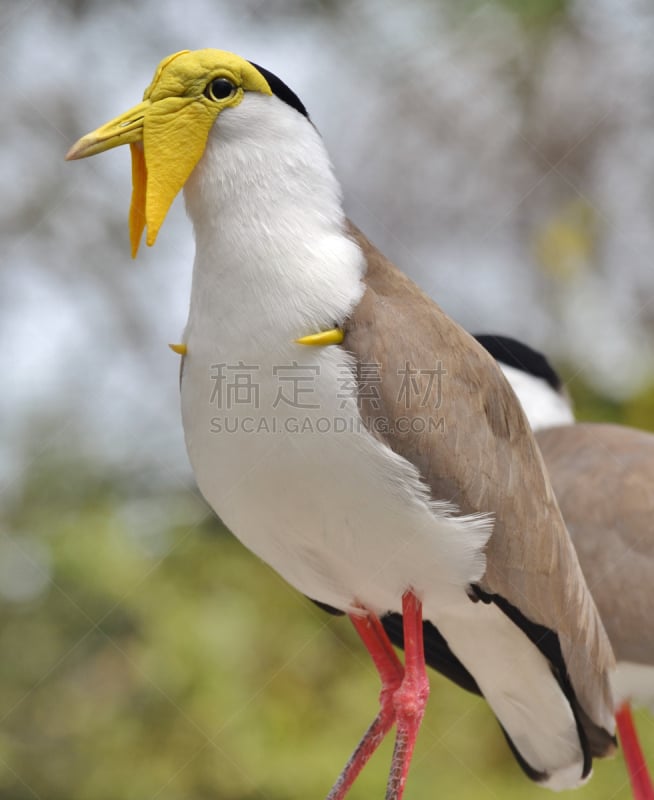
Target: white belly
x=300, y=481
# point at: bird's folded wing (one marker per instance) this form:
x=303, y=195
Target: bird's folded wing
x=462, y=426
x=603, y=477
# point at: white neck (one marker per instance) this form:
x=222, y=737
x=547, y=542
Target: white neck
x=543, y=405
x=272, y=254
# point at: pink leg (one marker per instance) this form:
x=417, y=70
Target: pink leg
x=391, y=672
x=411, y=698
x=641, y=783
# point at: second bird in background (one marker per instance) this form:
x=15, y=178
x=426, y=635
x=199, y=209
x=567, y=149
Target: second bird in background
x=603, y=477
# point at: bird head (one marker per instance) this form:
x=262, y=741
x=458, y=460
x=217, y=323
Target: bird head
x=167, y=132
x=537, y=385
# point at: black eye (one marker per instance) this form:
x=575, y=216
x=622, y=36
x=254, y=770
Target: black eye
x=219, y=89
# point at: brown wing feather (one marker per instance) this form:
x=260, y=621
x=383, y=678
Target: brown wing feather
x=603, y=477
x=483, y=458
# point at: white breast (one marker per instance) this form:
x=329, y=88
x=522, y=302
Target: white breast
x=333, y=510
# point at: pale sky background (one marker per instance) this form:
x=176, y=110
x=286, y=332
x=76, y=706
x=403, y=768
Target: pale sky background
x=509, y=171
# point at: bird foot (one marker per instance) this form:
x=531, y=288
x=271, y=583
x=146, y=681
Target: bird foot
x=391, y=672
x=410, y=700
x=403, y=698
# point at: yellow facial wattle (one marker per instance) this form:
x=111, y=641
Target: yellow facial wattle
x=167, y=132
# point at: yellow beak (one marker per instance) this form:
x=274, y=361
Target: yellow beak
x=125, y=129
x=167, y=138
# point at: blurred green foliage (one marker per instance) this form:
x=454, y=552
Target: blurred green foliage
x=146, y=654
x=566, y=244
x=592, y=406
x=531, y=13
x=536, y=11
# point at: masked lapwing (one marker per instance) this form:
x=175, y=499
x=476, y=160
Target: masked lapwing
x=603, y=477
x=388, y=467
